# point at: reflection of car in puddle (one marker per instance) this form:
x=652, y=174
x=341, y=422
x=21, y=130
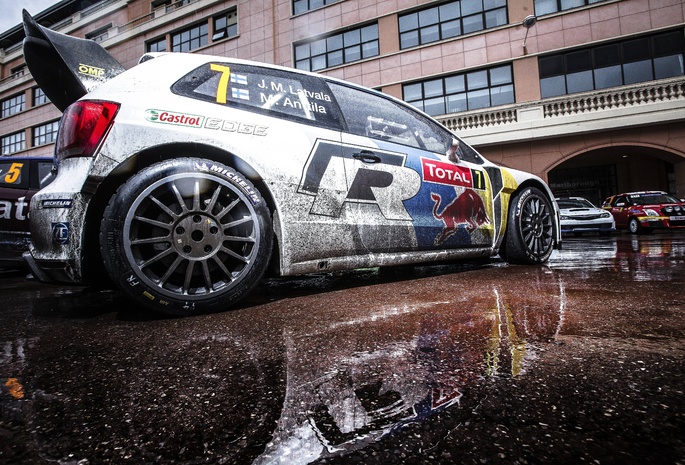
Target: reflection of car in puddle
x=406, y=365
x=636, y=257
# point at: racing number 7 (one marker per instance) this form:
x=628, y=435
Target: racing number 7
x=222, y=89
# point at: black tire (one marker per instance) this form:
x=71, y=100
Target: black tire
x=530, y=228
x=186, y=236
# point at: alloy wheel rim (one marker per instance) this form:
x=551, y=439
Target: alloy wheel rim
x=191, y=236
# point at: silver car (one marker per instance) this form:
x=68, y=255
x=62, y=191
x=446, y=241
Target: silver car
x=579, y=215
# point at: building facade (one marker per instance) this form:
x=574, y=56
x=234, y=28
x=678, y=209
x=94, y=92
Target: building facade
x=587, y=94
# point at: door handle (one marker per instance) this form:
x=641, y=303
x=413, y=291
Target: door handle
x=367, y=156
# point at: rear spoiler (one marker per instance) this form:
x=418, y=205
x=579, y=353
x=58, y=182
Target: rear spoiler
x=65, y=67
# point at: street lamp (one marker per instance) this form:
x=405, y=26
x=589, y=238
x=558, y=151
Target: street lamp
x=528, y=22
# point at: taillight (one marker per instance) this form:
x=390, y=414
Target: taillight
x=83, y=127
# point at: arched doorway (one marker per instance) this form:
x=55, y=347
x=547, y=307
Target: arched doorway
x=598, y=173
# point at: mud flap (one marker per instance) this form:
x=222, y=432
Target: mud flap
x=65, y=67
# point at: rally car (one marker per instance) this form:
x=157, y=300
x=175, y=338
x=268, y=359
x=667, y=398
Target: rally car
x=579, y=215
x=20, y=178
x=645, y=211
x=187, y=176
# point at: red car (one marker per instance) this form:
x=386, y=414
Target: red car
x=20, y=178
x=645, y=211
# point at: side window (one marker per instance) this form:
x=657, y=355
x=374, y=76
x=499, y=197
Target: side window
x=274, y=92
x=45, y=174
x=622, y=200
x=14, y=174
x=373, y=116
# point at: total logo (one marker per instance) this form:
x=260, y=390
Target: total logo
x=178, y=119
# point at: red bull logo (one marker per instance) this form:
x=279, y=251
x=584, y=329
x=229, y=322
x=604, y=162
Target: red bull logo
x=468, y=209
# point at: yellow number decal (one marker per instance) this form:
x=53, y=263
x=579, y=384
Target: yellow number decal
x=478, y=181
x=13, y=174
x=222, y=90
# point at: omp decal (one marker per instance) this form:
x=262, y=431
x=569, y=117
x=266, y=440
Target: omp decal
x=92, y=71
x=56, y=203
x=234, y=126
x=452, y=175
x=230, y=175
x=60, y=233
x=468, y=209
x=20, y=209
x=178, y=119
x=337, y=173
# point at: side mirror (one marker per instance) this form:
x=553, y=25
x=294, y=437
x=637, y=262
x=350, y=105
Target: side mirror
x=453, y=151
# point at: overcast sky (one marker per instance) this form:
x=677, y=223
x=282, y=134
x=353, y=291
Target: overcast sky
x=10, y=11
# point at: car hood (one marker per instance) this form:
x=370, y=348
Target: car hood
x=580, y=211
x=65, y=67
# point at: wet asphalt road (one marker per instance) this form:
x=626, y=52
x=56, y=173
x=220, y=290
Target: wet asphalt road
x=578, y=361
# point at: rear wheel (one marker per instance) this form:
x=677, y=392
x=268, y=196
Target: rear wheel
x=186, y=236
x=530, y=228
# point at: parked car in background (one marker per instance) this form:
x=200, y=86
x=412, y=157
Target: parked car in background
x=20, y=179
x=645, y=211
x=579, y=215
x=185, y=177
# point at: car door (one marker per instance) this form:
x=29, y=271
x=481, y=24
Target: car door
x=404, y=190
x=619, y=209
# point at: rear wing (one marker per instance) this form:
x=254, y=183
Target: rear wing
x=65, y=67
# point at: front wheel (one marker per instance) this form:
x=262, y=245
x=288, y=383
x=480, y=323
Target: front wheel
x=186, y=236
x=530, y=228
x=634, y=226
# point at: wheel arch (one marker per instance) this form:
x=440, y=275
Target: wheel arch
x=92, y=264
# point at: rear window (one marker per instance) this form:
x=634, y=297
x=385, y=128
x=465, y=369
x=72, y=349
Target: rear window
x=273, y=92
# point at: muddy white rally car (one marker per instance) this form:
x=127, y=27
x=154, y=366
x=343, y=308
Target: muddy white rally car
x=186, y=177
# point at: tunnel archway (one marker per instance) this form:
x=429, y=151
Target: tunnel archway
x=599, y=172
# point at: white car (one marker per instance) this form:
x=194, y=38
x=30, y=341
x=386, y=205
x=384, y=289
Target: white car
x=579, y=215
x=186, y=177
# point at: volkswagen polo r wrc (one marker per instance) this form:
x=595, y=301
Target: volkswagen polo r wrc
x=186, y=177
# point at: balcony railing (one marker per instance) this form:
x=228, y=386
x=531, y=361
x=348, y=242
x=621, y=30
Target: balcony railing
x=624, y=97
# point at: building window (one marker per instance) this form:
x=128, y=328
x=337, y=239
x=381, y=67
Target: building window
x=13, y=143
x=225, y=25
x=13, y=105
x=301, y=6
x=462, y=92
x=99, y=34
x=18, y=71
x=169, y=5
x=190, y=39
x=158, y=45
x=39, y=97
x=45, y=133
x=631, y=61
x=337, y=49
x=545, y=7
x=450, y=20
